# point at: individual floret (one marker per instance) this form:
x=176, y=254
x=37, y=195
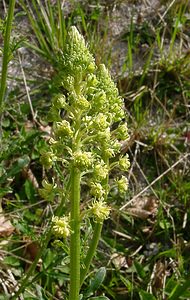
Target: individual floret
x=61, y=227
x=124, y=163
x=122, y=184
x=100, y=211
x=83, y=160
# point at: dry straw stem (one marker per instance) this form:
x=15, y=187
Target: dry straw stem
x=26, y=88
x=154, y=181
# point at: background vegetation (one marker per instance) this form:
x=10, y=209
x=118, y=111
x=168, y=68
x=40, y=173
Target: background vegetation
x=145, y=243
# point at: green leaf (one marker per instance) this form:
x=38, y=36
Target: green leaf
x=179, y=289
x=11, y=261
x=140, y=270
x=96, y=282
x=49, y=257
x=5, y=123
x=168, y=253
x=4, y=191
x=146, y=296
x=16, y=167
x=19, y=165
x=29, y=190
x=165, y=224
x=99, y=298
x=3, y=297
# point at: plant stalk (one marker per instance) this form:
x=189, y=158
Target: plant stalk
x=6, y=52
x=75, y=235
x=91, y=251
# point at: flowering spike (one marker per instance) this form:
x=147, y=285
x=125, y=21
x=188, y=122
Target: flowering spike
x=85, y=138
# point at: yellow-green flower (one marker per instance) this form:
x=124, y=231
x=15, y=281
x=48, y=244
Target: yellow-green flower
x=100, y=171
x=97, y=190
x=99, y=211
x=124, y=163
x=63, y=129
x=82, y=103
x=59, y=101
x=122, y=132
x=83, y=160
x=122, y=184
x=61, y=227
x=100, y=122
x=48, y=191
x=104, y=136
x=47, y=159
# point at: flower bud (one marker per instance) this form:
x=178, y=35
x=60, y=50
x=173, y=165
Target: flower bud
x=75, y=38
x=117, y=111
x=100, y=101
x=113, y=149
x=82, y=103
x=91, y=80
x=48, y=190
x=68, y=82
x=104, y=136
x=91, y=67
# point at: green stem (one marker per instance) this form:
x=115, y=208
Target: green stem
x=91, y=251
x=75, y=236
x=6, y=52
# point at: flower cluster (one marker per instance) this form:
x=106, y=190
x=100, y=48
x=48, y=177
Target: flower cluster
x=99, y=210
x=122, y=132
x=48, y=190
x=61, y=227
x=97, y=190
x=124, y=163
x=82, y=160
x=83, y=121
x=59, y=101
x=47, y=159
x=100, y=171
x=122, y=184
x=63, y=129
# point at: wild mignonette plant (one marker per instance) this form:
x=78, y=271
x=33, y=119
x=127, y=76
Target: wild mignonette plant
x=88, y=147
x=85, y=144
